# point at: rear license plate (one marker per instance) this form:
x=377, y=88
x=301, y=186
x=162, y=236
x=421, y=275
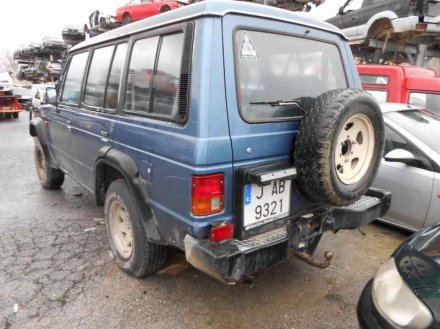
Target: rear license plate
x=264, y=204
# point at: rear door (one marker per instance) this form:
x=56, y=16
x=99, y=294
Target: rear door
x=280, y=65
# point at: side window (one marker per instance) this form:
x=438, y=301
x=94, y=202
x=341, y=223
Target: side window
x=111, y=94
x=140, y=73
x=355, y=5
x=166, y=79
x=97, y=77
x=72, y=84
x=394, y=141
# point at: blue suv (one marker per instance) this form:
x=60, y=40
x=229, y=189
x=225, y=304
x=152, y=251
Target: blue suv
x=235, y=132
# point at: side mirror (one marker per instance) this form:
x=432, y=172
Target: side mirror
x=400, y=155
x=51, y=96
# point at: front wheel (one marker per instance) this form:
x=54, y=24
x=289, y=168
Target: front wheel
x=15, y=115
x=50, y=178
x=128, y=240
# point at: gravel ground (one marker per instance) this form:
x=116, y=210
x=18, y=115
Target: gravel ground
x=56, y=269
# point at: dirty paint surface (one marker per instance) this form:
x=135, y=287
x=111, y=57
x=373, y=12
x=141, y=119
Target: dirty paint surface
x=56, y=270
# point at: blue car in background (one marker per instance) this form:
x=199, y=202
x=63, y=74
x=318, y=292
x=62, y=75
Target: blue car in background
x=235, y=132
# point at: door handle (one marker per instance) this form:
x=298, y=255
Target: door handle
x=104, y=133
x=398, y=7
x=69, y=122
x=353, y=18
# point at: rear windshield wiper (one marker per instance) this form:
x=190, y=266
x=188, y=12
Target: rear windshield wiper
x=296, y=102
x=278, y=103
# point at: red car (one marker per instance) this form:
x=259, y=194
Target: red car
x=140, y=9
x=413, y=85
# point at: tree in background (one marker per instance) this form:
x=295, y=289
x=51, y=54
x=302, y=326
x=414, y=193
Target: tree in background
x=7, y=61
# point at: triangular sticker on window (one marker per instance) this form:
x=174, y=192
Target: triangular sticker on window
x=248, y=50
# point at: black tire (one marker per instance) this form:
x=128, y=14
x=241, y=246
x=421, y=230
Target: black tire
x=15, y=115
x=165, y=9
x=50, y=178
x=315, y=146
x=126, y=19
x=145, y=257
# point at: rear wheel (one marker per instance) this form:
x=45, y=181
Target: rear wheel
x=49, y=177
x=128, y=239
x=15, y=115
x=126, y=18
x=339, y=146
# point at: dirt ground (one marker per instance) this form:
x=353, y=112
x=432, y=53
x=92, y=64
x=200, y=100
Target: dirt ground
x=56, y=269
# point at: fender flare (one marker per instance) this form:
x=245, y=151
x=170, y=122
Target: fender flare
x=37, y=130
x=127, y=167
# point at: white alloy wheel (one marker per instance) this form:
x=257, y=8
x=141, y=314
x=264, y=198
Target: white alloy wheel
x=121, y=229
x=41, y=165
x=354, y=149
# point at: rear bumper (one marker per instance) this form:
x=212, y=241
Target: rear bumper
x=233, y=260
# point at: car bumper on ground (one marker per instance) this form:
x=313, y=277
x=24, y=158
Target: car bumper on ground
x=368, y=316
x=233, y=260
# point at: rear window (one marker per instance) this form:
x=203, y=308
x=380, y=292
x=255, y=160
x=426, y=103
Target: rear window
x=429, y=101
x=278, y=75
x=380, y=80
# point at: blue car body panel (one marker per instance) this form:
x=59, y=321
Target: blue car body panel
x=214, y=138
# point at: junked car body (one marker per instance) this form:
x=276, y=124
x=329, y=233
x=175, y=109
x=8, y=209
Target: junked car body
x=362, y=19
x=206, y=128
x=410, y=168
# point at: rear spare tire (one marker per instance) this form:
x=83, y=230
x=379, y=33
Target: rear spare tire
x=339, y=146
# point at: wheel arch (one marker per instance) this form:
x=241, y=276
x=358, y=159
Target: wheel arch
x=112, y=164
x=37, y=130
x=379, y=25
x=163, y=7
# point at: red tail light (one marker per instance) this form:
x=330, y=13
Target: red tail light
x=207, y=194
x=221, y=232
x=421, y=27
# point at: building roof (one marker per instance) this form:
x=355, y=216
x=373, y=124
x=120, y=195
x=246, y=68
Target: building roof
x=217, y=8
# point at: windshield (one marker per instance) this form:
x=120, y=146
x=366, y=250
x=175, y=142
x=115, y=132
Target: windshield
x=21, y=91
x=278, y=75
x=429, y=101
x=422, y=124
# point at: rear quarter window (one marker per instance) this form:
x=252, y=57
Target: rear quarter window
x=274, y=67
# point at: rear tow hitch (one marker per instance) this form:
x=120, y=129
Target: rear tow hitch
x=305, y=257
